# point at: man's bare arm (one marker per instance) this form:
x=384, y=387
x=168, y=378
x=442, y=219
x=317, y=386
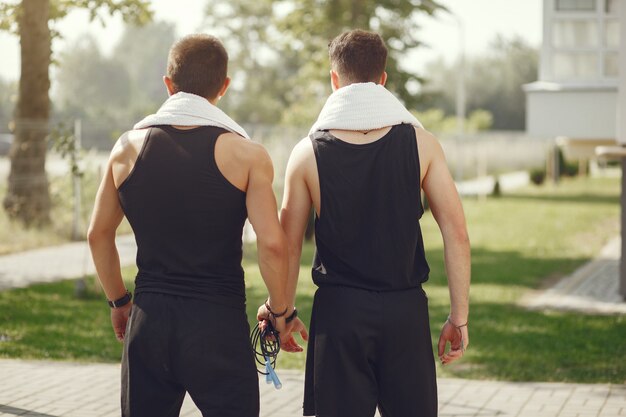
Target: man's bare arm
x=106, y=217
x=295, y=210
x=447, y=210
x=271, y=241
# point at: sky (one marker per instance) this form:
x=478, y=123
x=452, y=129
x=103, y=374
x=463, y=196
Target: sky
x=482, y=20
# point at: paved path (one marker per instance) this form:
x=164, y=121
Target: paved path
x=592, y=288
x=484, y=185
x=61, y=389
x=71, y=260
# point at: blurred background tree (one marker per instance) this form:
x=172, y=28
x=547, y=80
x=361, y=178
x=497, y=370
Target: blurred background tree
x=287, y=41
x=493, y=83
x=28, y=197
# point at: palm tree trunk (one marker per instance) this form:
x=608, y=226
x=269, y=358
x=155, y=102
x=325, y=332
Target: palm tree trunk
x=28, y=197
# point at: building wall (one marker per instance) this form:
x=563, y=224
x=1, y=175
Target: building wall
x=579, y=114
x=577, y=91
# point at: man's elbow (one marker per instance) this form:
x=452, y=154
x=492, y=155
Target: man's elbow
x=274, y=245
x=96, y=235
x=457, y=235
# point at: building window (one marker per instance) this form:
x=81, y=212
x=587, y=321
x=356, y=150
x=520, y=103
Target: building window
x=576, y=5
x=575, y=65
x=584, y=40
x=575, y=33
x=612, y=6
x=611, y=64
x=611, y=34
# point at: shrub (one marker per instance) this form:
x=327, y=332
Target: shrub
x=537, y=176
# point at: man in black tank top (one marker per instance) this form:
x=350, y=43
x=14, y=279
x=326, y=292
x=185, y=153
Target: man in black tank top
x=187, y=191
x=370, y=340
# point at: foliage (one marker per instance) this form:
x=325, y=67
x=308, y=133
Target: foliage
x=280, y=49
x=436, y=121
x=537, y=175
x=566, y=168
x=8, y=96
x=493, y=83
x=568, y=226
x=110, y=94
x=136, y=11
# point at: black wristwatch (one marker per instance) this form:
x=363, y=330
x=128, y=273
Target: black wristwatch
x=121, y=302
x=292, y=316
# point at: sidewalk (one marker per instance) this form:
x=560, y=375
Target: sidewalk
x=54, y=263
x=62, y=389
x=592, y=289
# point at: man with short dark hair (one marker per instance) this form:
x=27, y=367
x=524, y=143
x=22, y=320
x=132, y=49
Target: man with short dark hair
x=363, y=168
x=186, y=178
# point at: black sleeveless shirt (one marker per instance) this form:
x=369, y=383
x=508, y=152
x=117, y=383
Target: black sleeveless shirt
x=187, y=217
x=368, y=234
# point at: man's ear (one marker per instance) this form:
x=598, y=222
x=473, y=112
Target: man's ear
x=224, y=88
x=169, y=85
x=383, y=78
x=334, y=80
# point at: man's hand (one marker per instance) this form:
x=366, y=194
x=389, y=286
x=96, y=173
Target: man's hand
x=290, y=345
x=287, y=341
x=458, y=337
x=119, y=318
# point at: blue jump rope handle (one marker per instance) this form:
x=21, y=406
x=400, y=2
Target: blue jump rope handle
x=271, y=375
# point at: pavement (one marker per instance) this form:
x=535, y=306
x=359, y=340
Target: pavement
x=484, y=185
x=592, y=289
x=65, y=389
x=53, y=263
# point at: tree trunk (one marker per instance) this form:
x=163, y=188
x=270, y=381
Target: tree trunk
x=28, y=198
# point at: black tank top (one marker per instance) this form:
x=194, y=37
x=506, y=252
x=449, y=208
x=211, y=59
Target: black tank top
x=187, y=217
x=368, y=234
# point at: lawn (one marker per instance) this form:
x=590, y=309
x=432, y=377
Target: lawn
x=520, y=241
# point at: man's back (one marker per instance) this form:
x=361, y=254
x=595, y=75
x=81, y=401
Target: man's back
x=186, y=216
x=368, y=235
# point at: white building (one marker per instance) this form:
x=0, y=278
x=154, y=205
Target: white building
x=576, y=93
x=581, y=91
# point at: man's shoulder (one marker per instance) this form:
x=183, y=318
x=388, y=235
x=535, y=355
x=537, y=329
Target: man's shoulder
x=302, y=152
x=243, y=149
x=426, y=141
x=129, y=141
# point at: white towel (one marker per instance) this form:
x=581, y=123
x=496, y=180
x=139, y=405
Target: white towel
x=185, y=109
x=362, y=106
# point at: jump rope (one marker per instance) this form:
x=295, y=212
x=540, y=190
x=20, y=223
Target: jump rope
x=266, y=345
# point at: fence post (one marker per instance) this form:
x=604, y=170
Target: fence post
x=77, y=229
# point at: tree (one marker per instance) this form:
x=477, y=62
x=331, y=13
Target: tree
x=493, y=83
x=27, y=197
x=110, y=93
x=285, y=42
x=142, y=51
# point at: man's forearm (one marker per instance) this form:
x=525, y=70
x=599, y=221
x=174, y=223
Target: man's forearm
x=273, y=265
x=107, y=262
x=458, y=268
x=295, y=252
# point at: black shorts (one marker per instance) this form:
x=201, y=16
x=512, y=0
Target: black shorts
x=177, y=344
x=370, y=349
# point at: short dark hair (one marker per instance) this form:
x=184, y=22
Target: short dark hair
x=198, y=64
x=358, y=56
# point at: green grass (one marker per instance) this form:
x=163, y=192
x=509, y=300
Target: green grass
x=518, y=242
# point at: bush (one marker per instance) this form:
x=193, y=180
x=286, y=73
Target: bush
x=566, y=168
x=537, y=175
x=497, y=191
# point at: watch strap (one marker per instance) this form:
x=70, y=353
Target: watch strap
x=120, y=302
